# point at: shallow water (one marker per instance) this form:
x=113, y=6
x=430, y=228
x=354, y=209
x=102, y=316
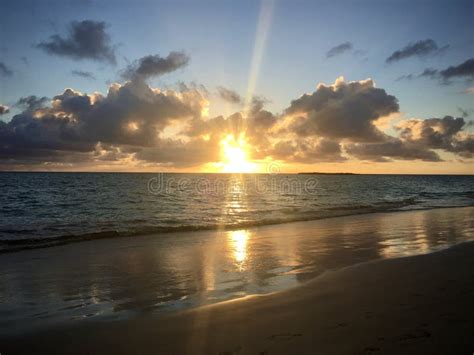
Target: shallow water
x=124, y=277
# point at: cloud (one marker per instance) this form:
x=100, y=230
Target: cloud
x=392, y=148
x=256, y=125
x=30, y=103
x=308, y=151
x=83, y=74
x=134, y=124
x=416, y=49
x=131, y=115
x=405, y=77
x=339, y=49
x=345, y=118
x=342, y=110
x=229, y=95
x=5, y=70
x=428, y=73
x=154, y=65
x=438, y=133
x=465, y=112
x=85, y=40
x=176, y=153
x=463, y=70
x=4, y=109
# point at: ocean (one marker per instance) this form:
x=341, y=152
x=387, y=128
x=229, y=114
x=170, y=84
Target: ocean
x=45, y=209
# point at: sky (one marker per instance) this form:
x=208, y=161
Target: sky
x=226, y=86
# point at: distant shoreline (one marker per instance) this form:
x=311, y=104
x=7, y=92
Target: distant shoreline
x=321, y=173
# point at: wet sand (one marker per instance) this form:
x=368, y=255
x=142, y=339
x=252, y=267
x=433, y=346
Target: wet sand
x=412, y=305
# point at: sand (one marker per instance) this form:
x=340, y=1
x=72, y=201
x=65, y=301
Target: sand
x=413, y=305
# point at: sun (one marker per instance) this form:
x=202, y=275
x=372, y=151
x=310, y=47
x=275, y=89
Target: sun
x=234, y=153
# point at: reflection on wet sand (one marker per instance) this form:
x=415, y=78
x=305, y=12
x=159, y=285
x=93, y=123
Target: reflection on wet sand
x=411, y=242
x=238, y=243
x=122, y=277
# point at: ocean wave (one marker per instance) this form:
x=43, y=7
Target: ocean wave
x=13, y=245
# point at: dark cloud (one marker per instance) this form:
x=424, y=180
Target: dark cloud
x=5, y=70
x=229, y=95
x=418, y=139
x=438, y=133
x=308, y=151
x=428, y=73
x=4, y=109
x=344, y=115
x=405, y=77
x=83, y=74
x=463, y=70
x=86, y=40
x=416, y=49
x=339, y=49
x=392, y=148
x=257, y=104
x=181, y=154
x=25, y=60
x=342, y=110
x=465, y=112
x=154, y=65
x=32, y=102
x=131, y=115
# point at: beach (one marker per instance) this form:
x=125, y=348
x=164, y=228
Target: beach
x=380, y=302
x=413, y=305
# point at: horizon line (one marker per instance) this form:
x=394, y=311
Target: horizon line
x=225, y=173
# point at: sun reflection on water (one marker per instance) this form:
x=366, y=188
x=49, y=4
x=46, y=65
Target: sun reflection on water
x=238, y=246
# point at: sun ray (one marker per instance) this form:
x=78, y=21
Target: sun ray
x=263, y=27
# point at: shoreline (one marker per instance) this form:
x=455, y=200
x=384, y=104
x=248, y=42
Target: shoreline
x=106, y=235
x=322, y=276
x=119, y=278
x=416, y=304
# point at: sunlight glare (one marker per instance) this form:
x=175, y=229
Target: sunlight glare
x=235, y=156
